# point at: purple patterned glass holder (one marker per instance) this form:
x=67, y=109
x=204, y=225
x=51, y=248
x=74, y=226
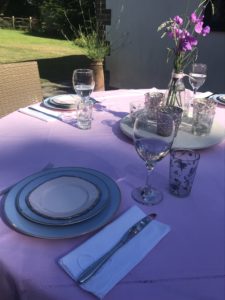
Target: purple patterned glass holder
x=183, y=166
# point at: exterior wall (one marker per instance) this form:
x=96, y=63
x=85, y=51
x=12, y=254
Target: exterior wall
x=139, y=60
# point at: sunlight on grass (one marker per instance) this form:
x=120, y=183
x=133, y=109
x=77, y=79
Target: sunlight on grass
x=18, y=46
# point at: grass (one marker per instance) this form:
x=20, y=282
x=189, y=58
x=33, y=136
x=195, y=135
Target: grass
x=19, y=46
x=56, y=58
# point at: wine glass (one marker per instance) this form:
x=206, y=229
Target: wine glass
x=152, y=145
x=197, y=76
x=83, y=83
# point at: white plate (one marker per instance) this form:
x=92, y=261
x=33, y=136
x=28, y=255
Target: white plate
x=50, y=102
x=219, y=98
x=63, y=197
x=185, y=139
x=25, y=210
x=65, y=99
x=21, y=224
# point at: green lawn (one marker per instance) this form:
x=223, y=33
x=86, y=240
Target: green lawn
x=18, y=46
x=56, y=58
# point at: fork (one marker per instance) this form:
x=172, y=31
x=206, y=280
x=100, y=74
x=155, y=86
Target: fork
x=7, y=189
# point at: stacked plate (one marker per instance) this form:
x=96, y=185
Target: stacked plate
x=219, y=98
x=62, y=102
x=62, y=202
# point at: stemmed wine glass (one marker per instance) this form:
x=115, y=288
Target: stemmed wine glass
x=83, y=83
x=152, y=145
x=197, y=76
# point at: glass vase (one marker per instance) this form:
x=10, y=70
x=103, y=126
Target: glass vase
x=176, y=95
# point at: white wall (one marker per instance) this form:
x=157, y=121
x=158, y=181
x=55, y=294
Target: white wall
x=140, y=61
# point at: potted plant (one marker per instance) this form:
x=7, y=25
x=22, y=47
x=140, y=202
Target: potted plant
x=96, y=48
x=91, y=37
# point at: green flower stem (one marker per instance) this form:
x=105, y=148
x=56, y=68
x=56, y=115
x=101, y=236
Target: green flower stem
x=174, y=91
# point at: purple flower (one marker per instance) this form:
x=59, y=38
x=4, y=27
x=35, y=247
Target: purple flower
x=202, y=30
x=174, y=32
x=193, y=41
x=198, y=27
x=194, y=18
x=205, y=30
x=170, y=34
x=187, y=43
x=185, y=33
x=178, y=20
x=185, y=46
x=182, y=34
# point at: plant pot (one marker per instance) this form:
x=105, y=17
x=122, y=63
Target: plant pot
x=98, y=70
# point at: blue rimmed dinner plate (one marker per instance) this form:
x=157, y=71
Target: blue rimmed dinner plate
x=25, y=226
x=24, y=207
x=219, y=98
x=62, y=102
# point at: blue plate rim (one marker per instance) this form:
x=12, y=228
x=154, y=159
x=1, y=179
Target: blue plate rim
x=48, y=105
x=27, y=211
x=215, y=98
x=22, y=225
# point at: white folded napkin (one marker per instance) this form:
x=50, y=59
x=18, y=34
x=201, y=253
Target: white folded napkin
x=40, y=113
x=123, y=261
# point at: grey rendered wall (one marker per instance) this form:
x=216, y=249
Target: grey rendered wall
x=138, y=57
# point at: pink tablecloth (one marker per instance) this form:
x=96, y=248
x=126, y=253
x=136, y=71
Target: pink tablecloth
x=187, y=265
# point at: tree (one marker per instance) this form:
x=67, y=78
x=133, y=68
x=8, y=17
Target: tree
x=18, y=8
x=55, y=15
x=3, y=6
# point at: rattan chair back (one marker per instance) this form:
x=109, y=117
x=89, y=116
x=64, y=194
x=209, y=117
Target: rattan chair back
x=19, y=86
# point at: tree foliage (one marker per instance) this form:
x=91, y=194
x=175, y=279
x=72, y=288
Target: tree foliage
x=18, y=8
x=54, y=14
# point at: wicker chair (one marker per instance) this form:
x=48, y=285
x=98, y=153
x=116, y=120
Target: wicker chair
x=19, y=86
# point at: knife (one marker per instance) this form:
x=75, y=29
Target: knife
x=43, y=112
x=128, y=235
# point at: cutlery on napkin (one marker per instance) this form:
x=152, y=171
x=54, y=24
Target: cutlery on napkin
x=40, y=112
x=126, y=237
x=122, y=261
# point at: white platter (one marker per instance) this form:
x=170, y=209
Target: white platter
x=185, y=139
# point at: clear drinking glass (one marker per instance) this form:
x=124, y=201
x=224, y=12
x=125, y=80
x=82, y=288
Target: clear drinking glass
x=203, y=116
x=83, y=83
x=153, y=101
x=197, y=76
x=136, y=107
x=151, y=146
x=84, y=114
